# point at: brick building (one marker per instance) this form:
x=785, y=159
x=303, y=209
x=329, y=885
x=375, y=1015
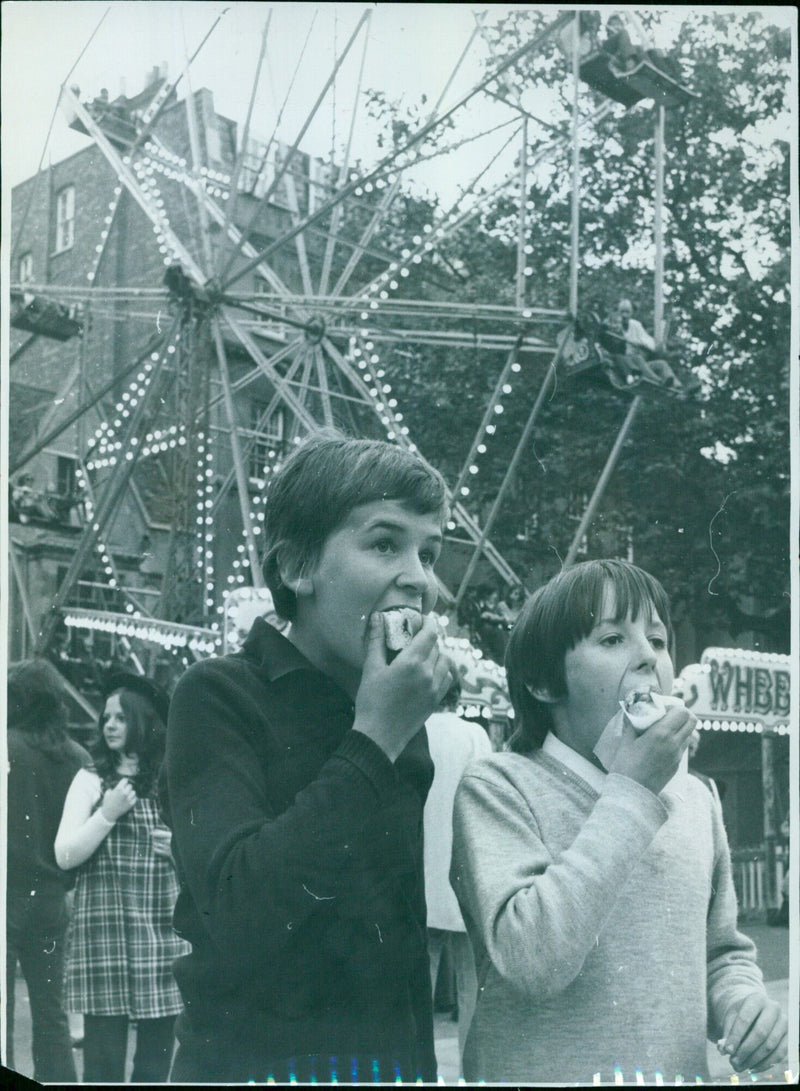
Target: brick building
x=89, y=299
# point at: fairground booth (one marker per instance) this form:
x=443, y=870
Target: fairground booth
x=742, y=700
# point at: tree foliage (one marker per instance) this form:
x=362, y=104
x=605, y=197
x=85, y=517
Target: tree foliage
x=702, y=487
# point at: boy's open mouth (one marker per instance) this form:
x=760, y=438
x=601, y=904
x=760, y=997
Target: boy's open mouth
x=639, y=697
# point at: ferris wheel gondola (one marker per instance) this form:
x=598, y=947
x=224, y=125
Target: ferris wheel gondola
x=643, y=80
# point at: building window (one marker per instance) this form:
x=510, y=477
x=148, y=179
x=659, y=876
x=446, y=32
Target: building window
x=66, y=476
x=65, y=219
x=25, y=270
x=267, y=439
x=272, y=325
x=257, y=168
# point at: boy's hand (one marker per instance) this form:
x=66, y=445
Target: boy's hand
x=395, y=699
x=652, y=758
x=755, y=1035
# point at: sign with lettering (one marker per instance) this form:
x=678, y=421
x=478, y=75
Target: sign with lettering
x=738, y=687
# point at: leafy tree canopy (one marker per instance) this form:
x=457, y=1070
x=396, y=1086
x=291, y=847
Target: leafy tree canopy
x=701, y=492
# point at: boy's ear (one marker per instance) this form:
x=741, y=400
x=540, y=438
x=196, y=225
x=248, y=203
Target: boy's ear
x=541, y=693
x=292, y=576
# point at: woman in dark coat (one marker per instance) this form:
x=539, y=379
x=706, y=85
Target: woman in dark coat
x=42, y=763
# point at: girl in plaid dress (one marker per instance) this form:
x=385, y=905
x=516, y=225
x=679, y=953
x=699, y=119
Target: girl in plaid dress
x=121, y=943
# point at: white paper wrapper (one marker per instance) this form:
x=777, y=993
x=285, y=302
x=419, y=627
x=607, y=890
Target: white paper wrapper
x=619, y=727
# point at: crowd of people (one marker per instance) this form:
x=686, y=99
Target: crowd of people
x=261, y=863
x=28, y=503
x=488, y=614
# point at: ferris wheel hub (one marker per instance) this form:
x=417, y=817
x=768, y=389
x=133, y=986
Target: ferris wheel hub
x=315, y=330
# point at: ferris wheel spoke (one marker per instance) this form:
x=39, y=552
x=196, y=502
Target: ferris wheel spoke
x=467, y=522
x=336, y=216
x=522, y=445
x=268, y=146
x=325, y=394
x=283, y=167
x=35, y=447
x=487, y=417
x=447, y=224
x=529, y=47
x=453, y=220
x=236, y=236
x=238, y=462
x=388, y=197
x=256, y=373
x=128, y=179
x=352, y=376
x=299, y=240
x=305, y=379
x=278, y=382
x=232, y=205
x=115, y=484
x=90, y=503
x=194, y=146
x=263, y=419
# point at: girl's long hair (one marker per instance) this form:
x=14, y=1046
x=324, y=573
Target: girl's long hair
x=146, y=739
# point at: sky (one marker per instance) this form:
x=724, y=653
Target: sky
x=407, y=50
x=412, y=49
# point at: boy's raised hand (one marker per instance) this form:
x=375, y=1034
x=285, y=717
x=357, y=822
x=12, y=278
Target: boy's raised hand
x=652, y=758
x=755, y=1035
x=395, y=699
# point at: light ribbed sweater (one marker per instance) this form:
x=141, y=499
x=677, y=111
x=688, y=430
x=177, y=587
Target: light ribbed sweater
x=604, y=925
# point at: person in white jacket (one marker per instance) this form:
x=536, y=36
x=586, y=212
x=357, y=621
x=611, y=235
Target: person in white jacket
x=453, y=743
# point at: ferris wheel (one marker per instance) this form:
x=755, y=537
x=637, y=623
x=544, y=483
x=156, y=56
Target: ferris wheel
x=227, y=317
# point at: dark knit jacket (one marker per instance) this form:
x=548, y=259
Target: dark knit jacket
x=38, y=781
x=299, y=852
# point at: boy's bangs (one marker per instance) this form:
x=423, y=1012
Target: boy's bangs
x=393, y=478
x=638, y=594
x=635, y=593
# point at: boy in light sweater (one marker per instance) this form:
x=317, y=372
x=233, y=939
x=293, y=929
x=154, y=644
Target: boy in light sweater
x=599, y=900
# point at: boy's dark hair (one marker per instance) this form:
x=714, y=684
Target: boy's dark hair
x=553, y=620
x=36, y=696
x=317, y=488
x=147, y=735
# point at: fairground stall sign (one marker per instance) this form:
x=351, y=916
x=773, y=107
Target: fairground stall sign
x=731, y=689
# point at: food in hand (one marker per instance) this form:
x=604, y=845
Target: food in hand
x=401, y=625
x=643, y=708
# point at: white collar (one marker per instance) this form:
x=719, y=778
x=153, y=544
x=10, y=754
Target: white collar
x=595, y=777
x=574, y=761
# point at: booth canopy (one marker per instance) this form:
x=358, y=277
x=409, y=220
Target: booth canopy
x=732, y=689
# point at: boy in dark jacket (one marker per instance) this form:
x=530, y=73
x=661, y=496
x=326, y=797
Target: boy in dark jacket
x=297, y=770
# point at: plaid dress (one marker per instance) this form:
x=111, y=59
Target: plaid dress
x=121, y=943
